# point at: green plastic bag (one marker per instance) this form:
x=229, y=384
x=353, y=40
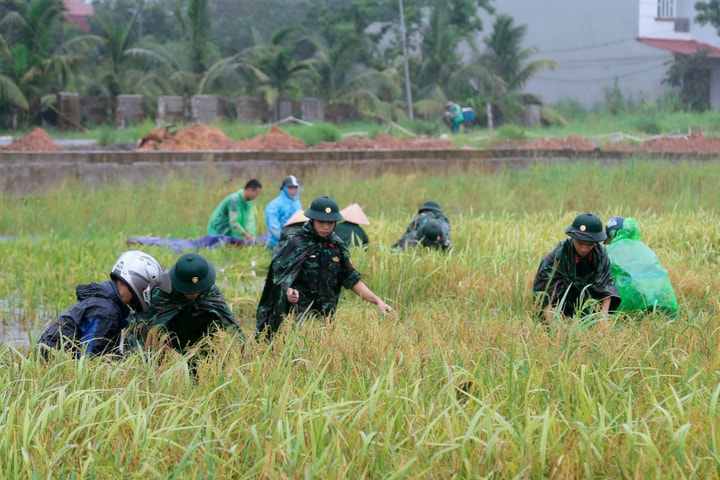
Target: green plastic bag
x=641, y=280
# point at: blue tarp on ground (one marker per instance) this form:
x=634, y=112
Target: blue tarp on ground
x=178, y=245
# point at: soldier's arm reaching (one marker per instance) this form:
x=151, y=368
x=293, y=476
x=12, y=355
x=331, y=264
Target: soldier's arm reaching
x=366, y=294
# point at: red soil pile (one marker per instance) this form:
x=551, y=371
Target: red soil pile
x=275, y=139
x=194, y=137
x=35, y=141
x=199, y=137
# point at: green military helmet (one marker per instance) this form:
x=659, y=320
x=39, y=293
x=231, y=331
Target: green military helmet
x=431, y=234
x=588, y=228
x=324, y=209
x=430, y=205
x=192, y=274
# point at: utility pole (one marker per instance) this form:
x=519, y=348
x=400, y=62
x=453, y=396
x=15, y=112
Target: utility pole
x=408, y=93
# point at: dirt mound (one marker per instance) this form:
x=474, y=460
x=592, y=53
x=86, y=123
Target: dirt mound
x=275, y=139
x=202, y=137
x=194, y=137
x=36, y=140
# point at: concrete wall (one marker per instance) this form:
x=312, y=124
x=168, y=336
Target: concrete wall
x=129, y=110
x=594, y=44
x=204, y=109
x=22, y=173
x=69, y=110
x=312, y=109
x=94, y=110
x=171, y=109
x=249, y=109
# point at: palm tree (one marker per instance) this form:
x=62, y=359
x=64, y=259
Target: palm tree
x=505, y=59
x=10, y=93
x=439, y=57
x=126, y=69
x=275, y=62
x=40, y=62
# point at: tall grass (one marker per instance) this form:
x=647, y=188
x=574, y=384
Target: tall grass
x=464, y=383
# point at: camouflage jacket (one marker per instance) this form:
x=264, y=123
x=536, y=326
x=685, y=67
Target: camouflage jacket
x=186, y=321
x=316, y=267
x=558, y=280
x=410, y=237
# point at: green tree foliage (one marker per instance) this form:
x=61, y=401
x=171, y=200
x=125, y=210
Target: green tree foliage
x=691, y=75
x=277, y=66
x=708, y=12
x=37, y=59
x=509, y=68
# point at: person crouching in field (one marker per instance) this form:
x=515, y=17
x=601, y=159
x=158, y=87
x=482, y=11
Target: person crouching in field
x=308, y=271
x=350, y=229
x=193, y=309
x=418, y=233
x=235, y=214
x=575, y=271
x=93, y=325
x=642, y=281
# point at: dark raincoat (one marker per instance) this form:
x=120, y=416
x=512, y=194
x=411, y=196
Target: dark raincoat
x=410, y=238
x=315, y=266
x=185, y=321
x=352, y=234
x=563, y=278
x=94, y=324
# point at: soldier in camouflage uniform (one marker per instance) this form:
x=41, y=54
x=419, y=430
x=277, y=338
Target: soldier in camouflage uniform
x=576, y=270
x=194, y=309
x=308, y=271
x=429, y=212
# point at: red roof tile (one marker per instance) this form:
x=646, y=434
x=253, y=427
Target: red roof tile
x=683, y=47
x=78, y=12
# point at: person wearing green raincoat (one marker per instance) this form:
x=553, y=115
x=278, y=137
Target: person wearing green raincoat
x=235, y=214
x=643, y=283
x=194, y=309
x=454, y=116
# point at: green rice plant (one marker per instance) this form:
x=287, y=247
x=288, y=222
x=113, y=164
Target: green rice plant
x=464, y=383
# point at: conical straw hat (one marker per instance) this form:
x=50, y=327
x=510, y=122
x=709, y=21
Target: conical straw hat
x=354, y=214
x=297, y=217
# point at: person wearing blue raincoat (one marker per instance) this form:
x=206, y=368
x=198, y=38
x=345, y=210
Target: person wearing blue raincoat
x=642, y=282
x=281, y=208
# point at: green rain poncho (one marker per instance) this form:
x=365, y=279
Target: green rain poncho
x=642, y=282
x=186, y=321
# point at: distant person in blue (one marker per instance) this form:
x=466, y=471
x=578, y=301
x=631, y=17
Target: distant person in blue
x=281, y=208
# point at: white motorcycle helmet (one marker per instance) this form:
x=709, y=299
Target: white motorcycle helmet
x=142, y=273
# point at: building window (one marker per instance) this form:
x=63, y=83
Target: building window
x=666, y=9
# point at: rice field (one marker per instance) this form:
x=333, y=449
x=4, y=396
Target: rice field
x=464, y=383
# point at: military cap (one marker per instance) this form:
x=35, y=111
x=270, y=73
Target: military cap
x=192, y=274
x=324, y=209
x=587, y=227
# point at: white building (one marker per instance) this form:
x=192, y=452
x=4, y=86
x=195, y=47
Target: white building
x=597, y=44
